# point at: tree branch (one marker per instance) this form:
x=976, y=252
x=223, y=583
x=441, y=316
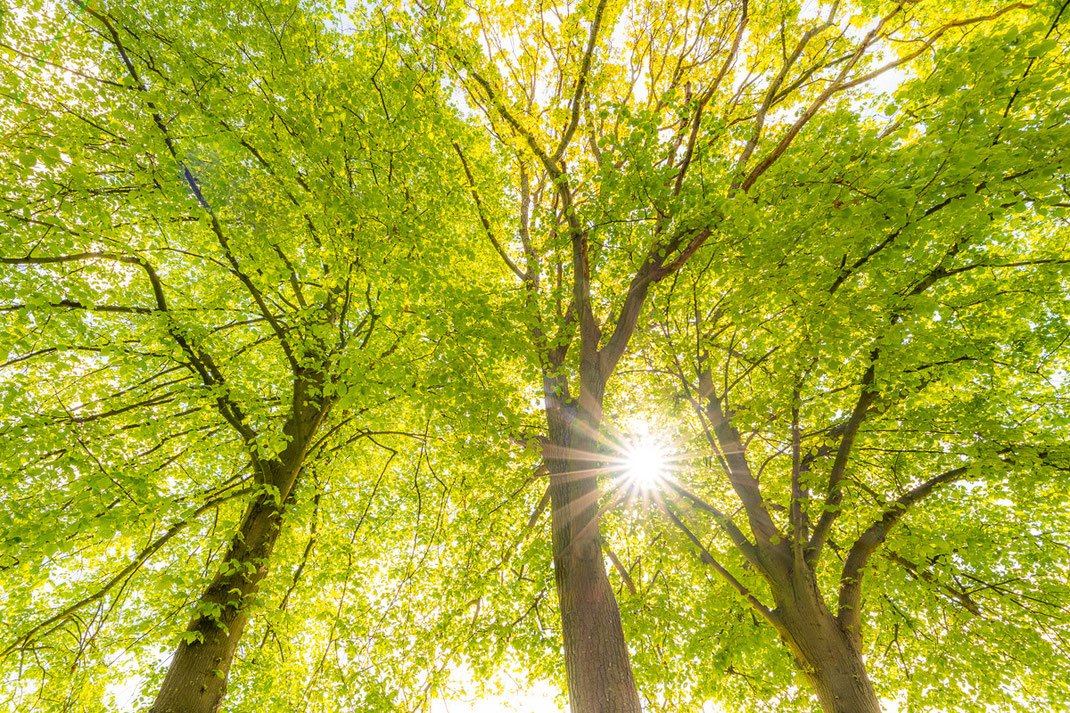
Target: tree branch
x=726, y=523
x=624, y=574
x=485, y=220
x=127, y=571
x=738, y=469
x=850, y=599
x=796, y=513
x=963, y=597
x=76, y=305
x=195, y=187
x=581, y=84
x=709, y=559
x=831, y=507
x=700, y=105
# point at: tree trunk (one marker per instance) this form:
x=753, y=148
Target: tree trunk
x=840, y=681
x=197, y=678
x=597, y=663
x=827, y=654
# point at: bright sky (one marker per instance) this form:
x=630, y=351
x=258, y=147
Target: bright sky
x=512, y=698
x=538, y=699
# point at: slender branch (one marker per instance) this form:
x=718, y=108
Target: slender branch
x=547, y=162
x=624, y=574
x=816, y=105
x=76, y=305
x=309, y=546
x=581, y=84
x=738, y=470
x=831, y=507
x=771, y=95
x=49, y=260
x=530, y=254
x=700, y=105
x=195, y=187
x=709, y=559
x=203, y=364
x=127, y=571
x=839, y=85
x=540, y=508
x=932, y=39
x=484, y=219
x=963, y=597
x=726, y=523
x=796, y=513
x=850, y=600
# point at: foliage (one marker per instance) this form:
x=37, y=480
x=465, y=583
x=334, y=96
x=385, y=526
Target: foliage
x=209, y=213
x=810, y=242
x=760, y=218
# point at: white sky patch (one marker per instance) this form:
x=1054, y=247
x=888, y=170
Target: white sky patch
x=540, y=698
x=507, y=692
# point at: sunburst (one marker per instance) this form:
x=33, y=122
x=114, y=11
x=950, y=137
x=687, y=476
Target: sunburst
x=646, y=462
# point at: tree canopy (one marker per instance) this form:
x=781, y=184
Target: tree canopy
x=332, y=335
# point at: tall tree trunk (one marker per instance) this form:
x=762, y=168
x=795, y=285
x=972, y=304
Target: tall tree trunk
x=597, y=663
x=829, y=656
x=840, y=681
x=197, y=678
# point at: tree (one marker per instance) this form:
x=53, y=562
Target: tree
x=257, y=267
x=226, y=258
x=659, y=141
x=905, y=372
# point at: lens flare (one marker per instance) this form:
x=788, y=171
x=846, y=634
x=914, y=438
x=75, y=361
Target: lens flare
x=645, y=462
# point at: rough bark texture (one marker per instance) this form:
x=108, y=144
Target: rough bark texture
x=826, y=653
x=597, y=662
x=841, y=683
x=197, y=678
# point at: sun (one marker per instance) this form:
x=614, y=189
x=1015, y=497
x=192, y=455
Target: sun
x=646, y=462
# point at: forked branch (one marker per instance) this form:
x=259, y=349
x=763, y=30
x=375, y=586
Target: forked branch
x=850, y=601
